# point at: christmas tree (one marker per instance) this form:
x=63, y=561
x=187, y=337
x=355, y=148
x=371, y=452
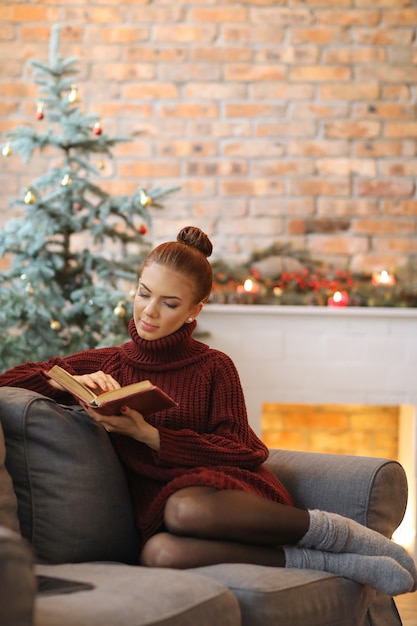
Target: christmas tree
x=73, y=257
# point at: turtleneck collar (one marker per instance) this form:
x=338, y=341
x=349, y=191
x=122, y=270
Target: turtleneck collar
x=174, y=349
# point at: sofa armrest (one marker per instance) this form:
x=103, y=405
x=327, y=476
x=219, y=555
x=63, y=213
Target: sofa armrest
x=17, y=580
x=372, y=491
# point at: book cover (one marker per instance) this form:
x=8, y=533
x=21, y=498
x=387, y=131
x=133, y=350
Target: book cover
x=143, y=396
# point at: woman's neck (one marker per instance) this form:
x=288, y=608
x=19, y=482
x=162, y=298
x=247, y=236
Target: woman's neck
x=175, y=348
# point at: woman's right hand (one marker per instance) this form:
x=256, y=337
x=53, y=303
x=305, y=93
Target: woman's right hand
x=130, y=423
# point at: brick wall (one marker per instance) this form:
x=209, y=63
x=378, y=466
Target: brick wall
x=281, y=120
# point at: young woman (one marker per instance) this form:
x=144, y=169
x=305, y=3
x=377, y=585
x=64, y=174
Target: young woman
x=201, y=492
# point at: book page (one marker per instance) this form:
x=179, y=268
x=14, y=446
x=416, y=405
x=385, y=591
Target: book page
x=72, y=385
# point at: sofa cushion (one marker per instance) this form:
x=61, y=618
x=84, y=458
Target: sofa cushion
x=126, y=595
x=17, y=580
x=73, y=497
x=273, y=595
x=8, y=502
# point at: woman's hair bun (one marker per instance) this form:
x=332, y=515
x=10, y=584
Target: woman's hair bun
x=194, y=237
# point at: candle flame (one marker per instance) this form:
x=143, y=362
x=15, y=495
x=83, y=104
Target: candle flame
x=248, y=285
x=337, y=296
x=383, y=278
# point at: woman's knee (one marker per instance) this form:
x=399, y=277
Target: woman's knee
x=161, y=550
x=189, y=511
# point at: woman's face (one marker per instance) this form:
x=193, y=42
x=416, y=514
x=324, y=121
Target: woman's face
x=163, y=303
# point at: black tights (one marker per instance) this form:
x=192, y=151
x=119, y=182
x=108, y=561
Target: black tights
x=206, y=526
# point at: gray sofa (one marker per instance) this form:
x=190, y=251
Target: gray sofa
x=65, y=506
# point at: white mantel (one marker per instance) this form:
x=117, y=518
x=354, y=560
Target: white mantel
x=317, y=354
x=322, y=355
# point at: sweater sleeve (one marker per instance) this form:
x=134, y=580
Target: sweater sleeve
x=32, y=375
x=225, y=439
x=190, y=449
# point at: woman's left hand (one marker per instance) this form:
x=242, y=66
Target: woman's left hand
x=130, y=423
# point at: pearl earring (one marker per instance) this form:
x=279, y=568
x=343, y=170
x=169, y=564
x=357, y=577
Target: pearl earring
x=190, y=319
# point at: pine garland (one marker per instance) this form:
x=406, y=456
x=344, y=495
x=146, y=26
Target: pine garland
x=281, y=276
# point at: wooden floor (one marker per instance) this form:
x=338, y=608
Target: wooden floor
x=407, y=608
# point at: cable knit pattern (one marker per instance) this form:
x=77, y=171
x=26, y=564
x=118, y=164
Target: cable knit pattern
x=206, y=440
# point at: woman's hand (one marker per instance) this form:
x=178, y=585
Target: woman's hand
x=130, y=423
x=99, y=382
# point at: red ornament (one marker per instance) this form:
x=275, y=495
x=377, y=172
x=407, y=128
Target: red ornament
x=142, y=230
x=97, y=130
x=39, y=111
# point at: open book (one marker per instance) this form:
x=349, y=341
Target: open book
x=143, y=397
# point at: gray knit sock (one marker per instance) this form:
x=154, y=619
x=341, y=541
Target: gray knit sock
x=334, y=533
x=380, y=572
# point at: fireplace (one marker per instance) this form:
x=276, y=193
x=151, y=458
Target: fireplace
x=356, y=429
x=323, y=356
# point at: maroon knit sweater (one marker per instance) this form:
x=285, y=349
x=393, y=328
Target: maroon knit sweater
x=206, y=440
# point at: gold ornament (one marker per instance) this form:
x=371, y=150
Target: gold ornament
x=73, y=94
x=29, y=289
x=144, y=199
x=55, y=325
x=132, y=292
x=30, y=197
x=66, y=180
x=101, y=165
x=7, y=150
x=119, y=310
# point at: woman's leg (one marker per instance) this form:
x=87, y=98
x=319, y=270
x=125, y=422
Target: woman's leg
x=243, y=517
x=233, y=515
x=167, y=550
